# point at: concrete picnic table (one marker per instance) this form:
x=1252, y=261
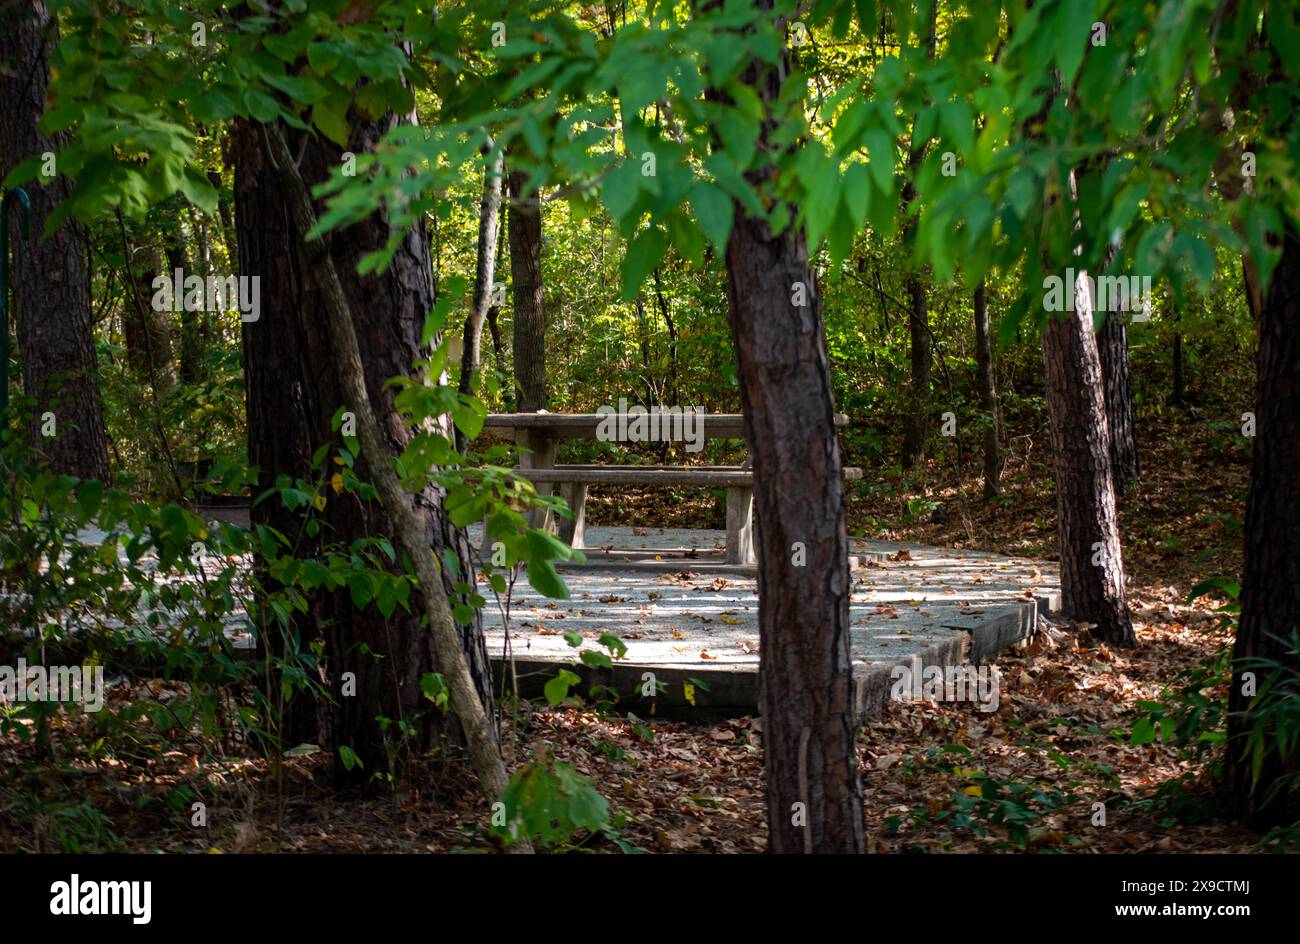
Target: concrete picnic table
x=541, y=432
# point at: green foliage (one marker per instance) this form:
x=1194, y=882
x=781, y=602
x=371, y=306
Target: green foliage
x=1006, y=812
x=551, y=803
x=642, y=141
x=1273, y=734
x=1192, y=711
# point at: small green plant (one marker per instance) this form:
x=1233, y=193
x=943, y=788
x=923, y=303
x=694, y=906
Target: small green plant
x=1191, y=712
x=992, y=807
x=1275, y=719
x=551, y=804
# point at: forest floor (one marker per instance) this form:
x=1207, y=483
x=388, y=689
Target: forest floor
x=936, y=777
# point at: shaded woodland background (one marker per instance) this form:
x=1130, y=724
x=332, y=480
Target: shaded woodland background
x=500, y=239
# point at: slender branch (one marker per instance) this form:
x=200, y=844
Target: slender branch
x=410, y=535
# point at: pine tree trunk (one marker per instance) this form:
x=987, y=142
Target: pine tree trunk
x=293, y=392
x=51, y=281
x=525, y=232
x=1112, y=347
x=1270, y=585
x=1092, y=566
x=814, y=796
x=806, y=678
x=988, y=394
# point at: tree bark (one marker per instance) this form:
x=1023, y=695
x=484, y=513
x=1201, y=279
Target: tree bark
x=1092, y=566
x=1112, y=347
x=146, y=330
x=814, y=796
x=192, y=323
x=1179, y=380
x=525, y=232
x=918, y=408
x=223, y=209
x=484, y=272
x=1250, y=286
x=409, y=526
x=992, y=418
x=1270, y=585
x=918, y=315
x=294, y=391
x=51, y=281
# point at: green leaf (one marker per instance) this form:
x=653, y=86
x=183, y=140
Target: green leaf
x=212, y=106
x=386, y=597
x=362, y=589
x=1073, y=29
x=822, y=200
x=857, y=193
x=434, y=687
x=89, y=495
x=557, y=689
x=616, y=646
x=304, y=90
x=714, y=212
x=261, y=106
x=544, y=578
x=621, y=188
x=1144, y=732
x=587, y=808
x=323, y=57
x=643, y=256
x=349, y=758
x=332, y=123
x=883, y=155
x=469, y=415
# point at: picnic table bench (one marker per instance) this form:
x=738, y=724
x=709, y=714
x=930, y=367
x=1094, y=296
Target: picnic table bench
x=540, y=433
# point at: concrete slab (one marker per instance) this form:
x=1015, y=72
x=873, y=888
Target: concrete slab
x=694, y=631
x=688, y=625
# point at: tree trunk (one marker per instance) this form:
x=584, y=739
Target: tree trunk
x=223, y=210
x=814, y=796
x=1092, y=566
x=1270, y=585
x=918, y=409
x=1112, y=348
x=672, y=395
x=525, y=231
x=484, y=273
x=494, y=329
x=409, y=528
x=146, y=330
x=51, y=293
x=1179, y=381
x=1250, y=285
x=988, y=394
x=918, y=315
x=294, y=391
x=191, y=322
x=494, y=310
